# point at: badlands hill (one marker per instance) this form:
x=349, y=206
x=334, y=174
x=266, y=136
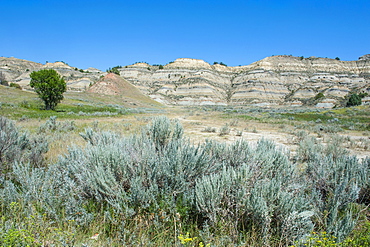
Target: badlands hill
x=19, y=70
x=277, y=79
x=272, y=80
x=112, y=84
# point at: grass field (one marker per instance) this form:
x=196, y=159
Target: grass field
x=116, y=171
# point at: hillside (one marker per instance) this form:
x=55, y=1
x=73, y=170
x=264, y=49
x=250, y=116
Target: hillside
x=112, y=84
x=19, y=70
x=273, y=80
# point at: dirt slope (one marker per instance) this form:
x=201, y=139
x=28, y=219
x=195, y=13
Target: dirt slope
x=113, y=84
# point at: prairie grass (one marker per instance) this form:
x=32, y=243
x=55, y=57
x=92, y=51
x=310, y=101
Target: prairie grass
x=136, y=179
x=154, y=188
x=16, y=104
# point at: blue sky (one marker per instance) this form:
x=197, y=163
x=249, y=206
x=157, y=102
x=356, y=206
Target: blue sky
x=104, y=34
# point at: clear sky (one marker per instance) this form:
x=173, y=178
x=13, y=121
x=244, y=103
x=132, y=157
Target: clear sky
x=108, y=33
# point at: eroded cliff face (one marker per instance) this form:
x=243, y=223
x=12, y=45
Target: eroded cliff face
x=19, y=70
x=277, y=79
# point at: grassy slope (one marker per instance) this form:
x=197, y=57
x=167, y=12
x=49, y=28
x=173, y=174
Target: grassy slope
x=17, y=103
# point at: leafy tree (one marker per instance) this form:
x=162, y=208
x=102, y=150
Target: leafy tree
x=49, y=85
x=114, y=70
x=337, y=58
x=220, y=63
x=354, y=100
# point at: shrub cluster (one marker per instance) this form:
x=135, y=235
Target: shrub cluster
x=353, y=100
x=226, y=190
x=16, y=147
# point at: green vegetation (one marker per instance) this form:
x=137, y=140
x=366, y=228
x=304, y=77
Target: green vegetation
x=220, y=63
x=345, y=118
x=114, y=70
x=50, y=86
x=363, y=95
x=155, y=187
x=224, y=130
x=354, y=100
x=17, y=104
x=15, y=85
x=319, y=96
x=91, y=173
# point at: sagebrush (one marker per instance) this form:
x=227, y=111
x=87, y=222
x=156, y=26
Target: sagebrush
x=150, y=187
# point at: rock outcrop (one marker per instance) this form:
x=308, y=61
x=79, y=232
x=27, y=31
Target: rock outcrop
x=19, y=70
x=272, y=80
x=277, y=79
x=364, y=57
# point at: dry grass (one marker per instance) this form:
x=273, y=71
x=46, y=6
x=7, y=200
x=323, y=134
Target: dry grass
x=251, y=128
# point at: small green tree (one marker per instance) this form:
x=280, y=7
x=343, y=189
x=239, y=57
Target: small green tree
x=354, y=100
x=49, y=85
x=114, y=70
x=363, y=95
x=319, y=96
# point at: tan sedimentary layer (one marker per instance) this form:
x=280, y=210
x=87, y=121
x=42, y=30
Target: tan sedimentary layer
x=273, y=79
x=19, y=70
x=278, y=79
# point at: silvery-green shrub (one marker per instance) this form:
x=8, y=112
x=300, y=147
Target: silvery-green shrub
x=52, y=125
x=238, y=186
x=256, y=187
x=16, y=146
x=333, y=179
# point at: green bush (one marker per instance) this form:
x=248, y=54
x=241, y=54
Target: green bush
x=209, y=129
x=19, y=147
x=114, y=70
x=224, y=130
x=319, y=96
x=160, y=181
x=15, y=85
x=354, y=100
x=363, y=95
x=51, y=125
